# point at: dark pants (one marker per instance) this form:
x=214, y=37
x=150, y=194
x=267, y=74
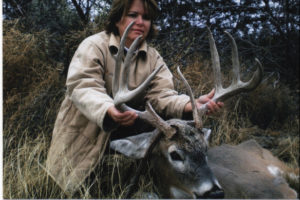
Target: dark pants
x=125, y=131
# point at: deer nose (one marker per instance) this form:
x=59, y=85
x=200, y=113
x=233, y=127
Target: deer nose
x=214, y=193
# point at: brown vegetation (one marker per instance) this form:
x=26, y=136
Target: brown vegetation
x=34, y=88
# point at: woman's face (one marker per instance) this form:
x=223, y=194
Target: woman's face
x=142, y=22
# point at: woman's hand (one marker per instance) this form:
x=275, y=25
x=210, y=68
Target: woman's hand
x=126, y=118
x=212, y=106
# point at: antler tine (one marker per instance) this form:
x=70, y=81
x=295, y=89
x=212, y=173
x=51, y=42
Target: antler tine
x=235, y=60
x=145, y=83
x=121, y=92
x=124, y=95
x=237, y=86
x=256, y=78
x=127, y=95
x=154, y=119
x=150, y=116
x=197, y=115
x=118, y=57
x=215, y=62
x=124, y=82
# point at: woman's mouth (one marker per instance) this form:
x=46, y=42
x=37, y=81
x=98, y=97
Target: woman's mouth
x=138, y=31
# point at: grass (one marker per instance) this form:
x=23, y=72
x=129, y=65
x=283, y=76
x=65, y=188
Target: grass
x=24, y=176
x=34, y=89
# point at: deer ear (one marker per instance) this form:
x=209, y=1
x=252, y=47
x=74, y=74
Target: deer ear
x=134, y=146
x=206, y=132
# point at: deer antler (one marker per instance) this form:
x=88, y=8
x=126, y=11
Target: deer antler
x=221, y=94
x=122, y=94
x=237, y=86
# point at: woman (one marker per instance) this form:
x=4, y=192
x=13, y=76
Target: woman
x=87, y=115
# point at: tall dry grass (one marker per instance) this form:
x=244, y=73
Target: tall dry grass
x=34, y=89
x=25, y=177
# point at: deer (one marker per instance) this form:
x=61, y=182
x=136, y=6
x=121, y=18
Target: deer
x=179, y=151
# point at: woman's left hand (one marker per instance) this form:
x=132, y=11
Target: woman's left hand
x=212, y=106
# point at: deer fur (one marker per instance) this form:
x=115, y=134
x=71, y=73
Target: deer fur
x=178, y=149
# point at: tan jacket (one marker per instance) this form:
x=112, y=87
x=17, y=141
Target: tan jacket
x=79, y=139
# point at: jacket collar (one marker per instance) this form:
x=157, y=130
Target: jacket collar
x=114, y=44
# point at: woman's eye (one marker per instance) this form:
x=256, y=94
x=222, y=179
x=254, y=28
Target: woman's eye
x=133, y=15
x=146, y=17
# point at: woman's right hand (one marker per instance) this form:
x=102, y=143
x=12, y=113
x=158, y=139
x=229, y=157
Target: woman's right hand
x=126, y=118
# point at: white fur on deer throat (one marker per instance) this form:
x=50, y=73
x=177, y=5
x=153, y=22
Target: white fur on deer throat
x=204, y=187
x=178, y=193
x=279, y=175
x=275, y=171
x=293, y=176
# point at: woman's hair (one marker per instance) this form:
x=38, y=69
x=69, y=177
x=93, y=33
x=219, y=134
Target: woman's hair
x=120, y=8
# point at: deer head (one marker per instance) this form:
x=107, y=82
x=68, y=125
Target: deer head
x=178, y=148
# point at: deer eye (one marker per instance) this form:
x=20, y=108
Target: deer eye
x=176, y=156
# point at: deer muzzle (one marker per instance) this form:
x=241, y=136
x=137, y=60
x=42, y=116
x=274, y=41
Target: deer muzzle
x=215, y=193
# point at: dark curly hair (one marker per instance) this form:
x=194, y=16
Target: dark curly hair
x=120, y=8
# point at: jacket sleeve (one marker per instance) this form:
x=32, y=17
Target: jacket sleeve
x=162, y=94
x=85, y=82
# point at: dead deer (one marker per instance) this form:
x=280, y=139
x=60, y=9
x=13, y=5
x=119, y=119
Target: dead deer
x=178, y=149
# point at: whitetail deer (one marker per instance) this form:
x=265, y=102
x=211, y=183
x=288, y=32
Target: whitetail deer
x=178, y=149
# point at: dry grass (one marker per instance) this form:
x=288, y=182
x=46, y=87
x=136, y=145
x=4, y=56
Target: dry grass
x=23, y=61
x=34, y=89
x=24, y=176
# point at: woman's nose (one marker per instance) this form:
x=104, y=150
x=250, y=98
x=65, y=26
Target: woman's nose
x=139, y=20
